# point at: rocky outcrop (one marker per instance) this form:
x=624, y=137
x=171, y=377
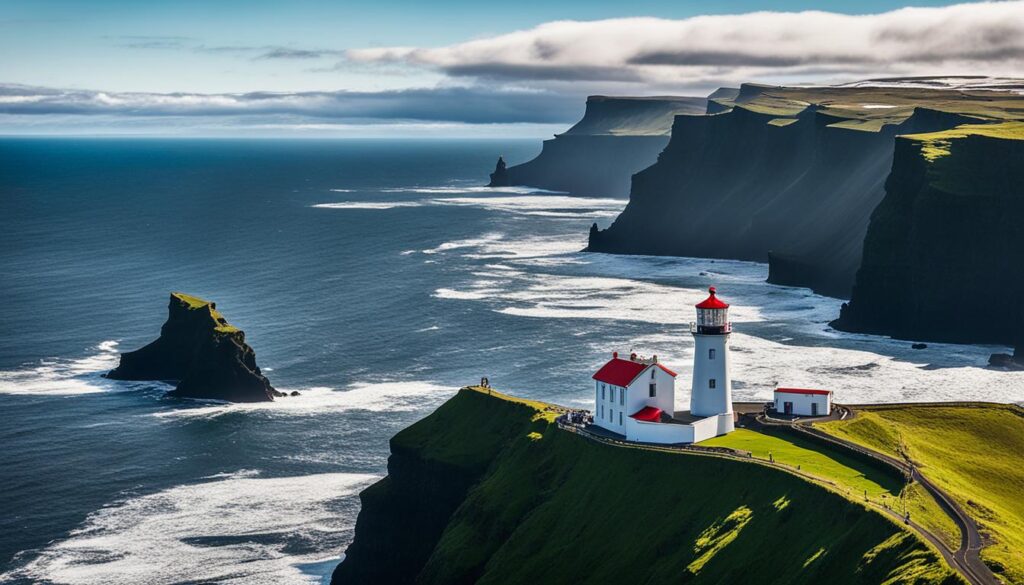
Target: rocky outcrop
x=1014, y=361
x=944, y=253
x=616, y=137
x=499, y=178
x=200, y=351
x=795, y=191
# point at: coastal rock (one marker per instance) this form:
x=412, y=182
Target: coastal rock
x=793, y=190
x=499, y=178
x=943, y=254
x=616, y=137
x=202, y=352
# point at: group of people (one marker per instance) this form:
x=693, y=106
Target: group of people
x=579, y=417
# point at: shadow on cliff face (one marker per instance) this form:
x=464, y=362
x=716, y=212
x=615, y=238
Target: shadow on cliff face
x=794, y=192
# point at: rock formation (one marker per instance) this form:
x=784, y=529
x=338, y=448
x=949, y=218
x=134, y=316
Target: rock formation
x=791, y=186
x=499, y=178
x=198, y=349
x=616, y=137
x=943, y=253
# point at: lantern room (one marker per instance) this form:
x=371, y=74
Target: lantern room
x=713, y=315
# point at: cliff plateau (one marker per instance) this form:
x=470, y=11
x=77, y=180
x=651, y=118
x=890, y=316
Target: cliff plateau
x=616, y=137
x=488, y=490
x=943, y=253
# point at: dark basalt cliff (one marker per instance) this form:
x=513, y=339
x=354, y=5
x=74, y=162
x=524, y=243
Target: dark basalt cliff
x=616, y=137
x=199, y=350
x=488, y=490
x=944, y=253
x=795, y=191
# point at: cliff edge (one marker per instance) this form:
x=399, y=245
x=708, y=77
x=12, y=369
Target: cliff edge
x=202, y=352
x=488, y=490
x=616, y=137
x=944, y=250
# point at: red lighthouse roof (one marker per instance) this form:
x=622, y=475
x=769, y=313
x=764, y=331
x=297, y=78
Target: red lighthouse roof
x=712, y=302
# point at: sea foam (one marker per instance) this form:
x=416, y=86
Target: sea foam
x=233, y=528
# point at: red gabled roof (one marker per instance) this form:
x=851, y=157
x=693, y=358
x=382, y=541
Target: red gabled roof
x=648, y=414
x=801, y=391
x=712, y=302
x=621, y=372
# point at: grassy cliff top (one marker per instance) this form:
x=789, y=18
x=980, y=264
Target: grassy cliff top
x=936, y=145
x=194, y=303
x=870, y=108
x=552, y=507
x=972, y=452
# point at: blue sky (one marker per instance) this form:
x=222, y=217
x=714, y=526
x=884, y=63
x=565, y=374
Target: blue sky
x=128, y=53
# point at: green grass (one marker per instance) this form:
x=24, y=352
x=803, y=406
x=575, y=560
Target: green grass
x=936, y=145
x=197, y=304
x=847, y=104
x=974, y=453
x=850, y=475
x=552, y=507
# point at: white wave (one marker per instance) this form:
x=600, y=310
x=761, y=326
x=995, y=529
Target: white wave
x=343, y=190
x=61, y=376
x=534, y=204
x=378, y=397
x=454, y=189
x=368, y=205
x=876, y=106
x=237, y=528
x=467, y=243
x=805, y=352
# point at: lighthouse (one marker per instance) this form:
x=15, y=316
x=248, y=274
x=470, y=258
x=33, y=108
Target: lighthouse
x=711, y=394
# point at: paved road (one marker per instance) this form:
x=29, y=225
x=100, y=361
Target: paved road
x=967, y=558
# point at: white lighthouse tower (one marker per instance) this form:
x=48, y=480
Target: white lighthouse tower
x=711, y=394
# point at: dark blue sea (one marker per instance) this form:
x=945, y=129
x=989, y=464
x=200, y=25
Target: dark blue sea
x=374, y=277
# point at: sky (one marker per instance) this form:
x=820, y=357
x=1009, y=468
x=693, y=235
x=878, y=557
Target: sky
x=449, y=67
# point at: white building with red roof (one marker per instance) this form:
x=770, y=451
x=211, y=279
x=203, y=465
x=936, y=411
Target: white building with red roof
x=635, y=397
x=803, y=402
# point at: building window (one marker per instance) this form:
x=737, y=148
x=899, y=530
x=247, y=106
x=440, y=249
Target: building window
x=620, y=418
x=602, y=411
x=622, y=397
x=602, y=391
x=711, y=383
x=711, y=354
x=653, y=389
x=611, y=415
x=652, y=373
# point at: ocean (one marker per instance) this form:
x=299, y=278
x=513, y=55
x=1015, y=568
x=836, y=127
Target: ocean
x=375, y=277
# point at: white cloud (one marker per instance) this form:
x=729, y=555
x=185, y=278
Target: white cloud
x=705, y=51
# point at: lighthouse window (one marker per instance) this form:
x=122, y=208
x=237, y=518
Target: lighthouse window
x=711, y=354
x=653, y=390
x=711, y=383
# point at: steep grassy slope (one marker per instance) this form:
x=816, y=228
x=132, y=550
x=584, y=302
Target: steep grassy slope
x=785, y=175
x=974, y=453
x=616, y=137
x=489, y=491
x=947, y=232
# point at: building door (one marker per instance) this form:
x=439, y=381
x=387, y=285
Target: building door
x=788, y=407
x=814, y=409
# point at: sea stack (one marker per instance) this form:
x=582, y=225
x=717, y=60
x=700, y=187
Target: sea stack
x=202, y=352
x=500, y=178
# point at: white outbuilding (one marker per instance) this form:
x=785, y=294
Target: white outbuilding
x=803, y=402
